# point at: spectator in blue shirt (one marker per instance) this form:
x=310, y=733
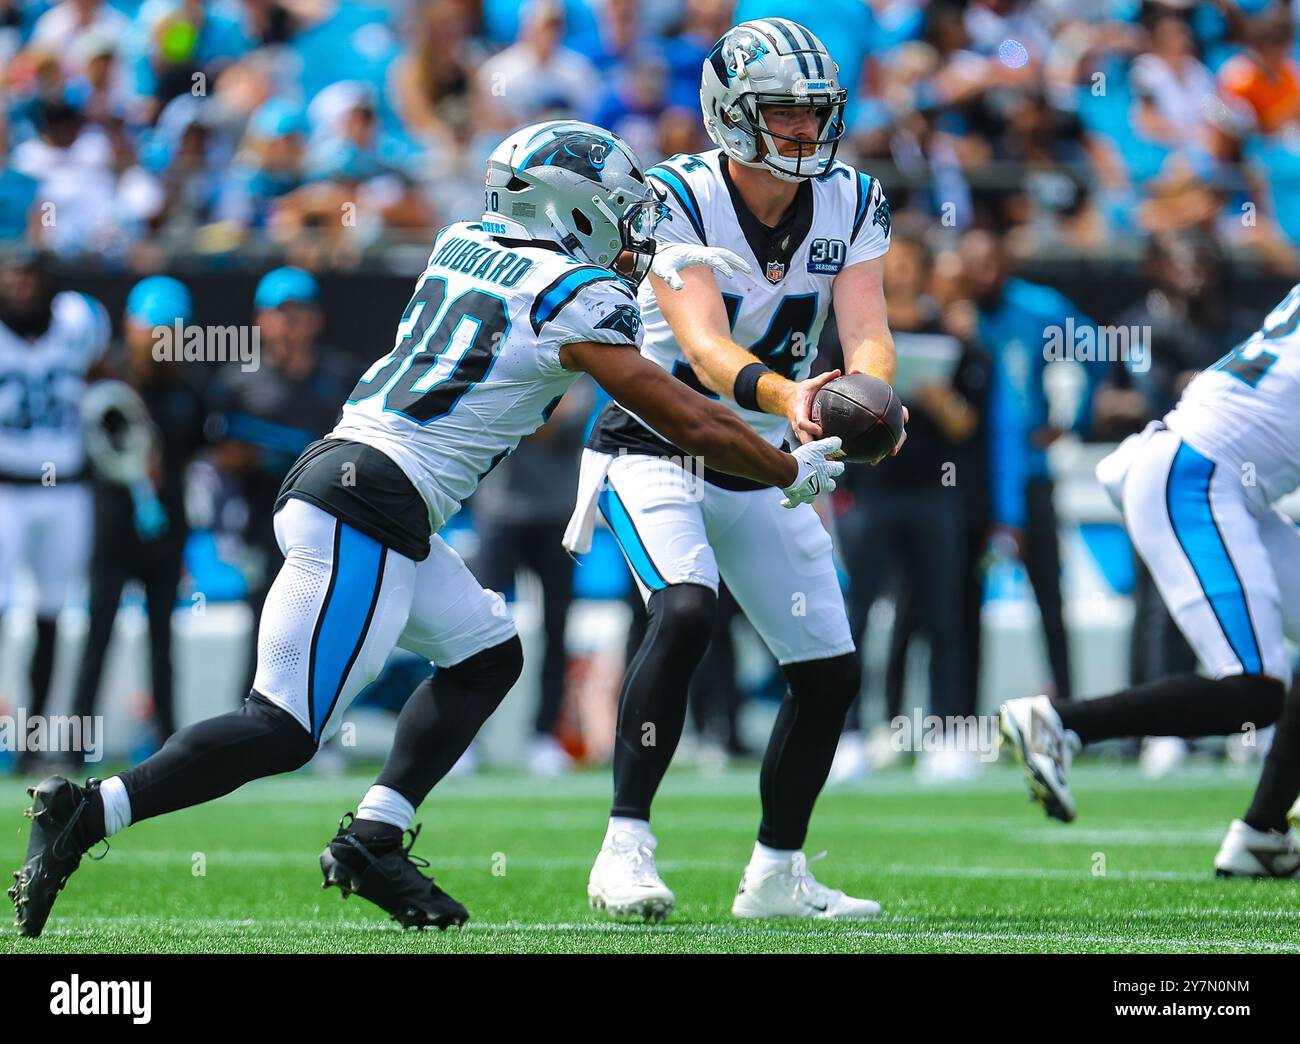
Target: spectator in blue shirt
x=17, y=191
x=1016, y=320
x=269, y=166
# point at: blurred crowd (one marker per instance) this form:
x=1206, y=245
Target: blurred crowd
x=130, y=127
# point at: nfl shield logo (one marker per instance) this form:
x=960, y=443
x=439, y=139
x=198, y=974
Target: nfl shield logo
x=775, y=271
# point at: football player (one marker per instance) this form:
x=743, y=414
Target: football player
x=507, y=314
x=1197, y=490
x=51, y=344
x=814, y=230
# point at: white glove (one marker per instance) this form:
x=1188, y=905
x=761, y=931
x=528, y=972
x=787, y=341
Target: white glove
x=816, y=473
x=671, y=259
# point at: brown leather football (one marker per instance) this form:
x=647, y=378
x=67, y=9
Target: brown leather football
x=864, y=412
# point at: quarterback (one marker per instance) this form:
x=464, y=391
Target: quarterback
x=814, y=231
x=508, y=312
x=1197, y=490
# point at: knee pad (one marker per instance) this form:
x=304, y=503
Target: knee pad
x=832, y=682
x=1258, y=696
x=682, y=616
x=494, y=670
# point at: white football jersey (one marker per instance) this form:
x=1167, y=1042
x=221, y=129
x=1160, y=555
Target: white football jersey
x=41, y=385
x=1244, y=411
x=778, y=310
x=475, y=366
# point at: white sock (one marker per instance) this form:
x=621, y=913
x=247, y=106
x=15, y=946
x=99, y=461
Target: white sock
x=764, y=860
x=622, y=824
x=117, y=805
x=385, y=805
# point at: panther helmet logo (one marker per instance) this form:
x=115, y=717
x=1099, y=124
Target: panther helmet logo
x=744, y=48
x=579, y=151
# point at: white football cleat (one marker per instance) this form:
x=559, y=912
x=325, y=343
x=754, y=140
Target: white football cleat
x=624, y=881
x=1247, y=852
x=1034, y=731
x=792, y=891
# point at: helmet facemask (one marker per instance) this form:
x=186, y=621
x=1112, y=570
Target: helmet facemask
x=830, y=130
x=637, y=231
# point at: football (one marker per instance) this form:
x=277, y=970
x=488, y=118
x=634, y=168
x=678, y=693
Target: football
x=864, y=412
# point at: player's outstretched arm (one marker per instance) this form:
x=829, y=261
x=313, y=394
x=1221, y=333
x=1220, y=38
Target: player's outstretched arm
x=699, y=321
x=687, y=419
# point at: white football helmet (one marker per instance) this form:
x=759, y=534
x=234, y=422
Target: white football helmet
x=577, y=185
x=771, y=61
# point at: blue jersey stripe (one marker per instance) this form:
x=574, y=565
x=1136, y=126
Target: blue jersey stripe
x=864, y=194
x=551, y=300
x=685, y=196
x=615, y=512
x=1187, y=498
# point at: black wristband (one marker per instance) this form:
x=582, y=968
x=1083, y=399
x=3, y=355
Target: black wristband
x=745, y=391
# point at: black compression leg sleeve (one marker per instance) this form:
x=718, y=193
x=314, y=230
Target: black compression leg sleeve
x=42, y=665
x=652, y=704
x=799, y=754
x=1279, y=783
x=211, y=758
x=1184, y=705
x=444, y=714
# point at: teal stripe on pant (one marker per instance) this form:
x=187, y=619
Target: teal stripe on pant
x=344, y=620
x=1187, y=496
x=616, y=515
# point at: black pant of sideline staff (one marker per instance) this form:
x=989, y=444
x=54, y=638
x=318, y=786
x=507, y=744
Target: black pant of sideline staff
x=503, y=548
x=916, y=534
x=160, y=572
x=1043, y=565
x=970, y=597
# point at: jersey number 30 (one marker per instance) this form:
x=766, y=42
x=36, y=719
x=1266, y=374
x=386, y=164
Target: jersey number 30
x=433, y=364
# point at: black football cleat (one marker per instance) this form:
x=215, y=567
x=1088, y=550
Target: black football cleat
x=54, y=849
x=391, y=880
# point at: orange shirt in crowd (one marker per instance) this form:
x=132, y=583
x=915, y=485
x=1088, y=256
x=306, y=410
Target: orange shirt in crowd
x=1273, y=94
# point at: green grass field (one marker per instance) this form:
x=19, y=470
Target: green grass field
x=971, y=868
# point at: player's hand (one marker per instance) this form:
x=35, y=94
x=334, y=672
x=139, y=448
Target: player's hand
x=817, y=472
x=670, y=260
x=801, y=404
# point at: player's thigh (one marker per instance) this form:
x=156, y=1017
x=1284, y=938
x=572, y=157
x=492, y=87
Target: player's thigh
x=1194, y=530
x=59, y=543
x=331, y=617
x=655, y=510
x=452, y=615
x=779, y=564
